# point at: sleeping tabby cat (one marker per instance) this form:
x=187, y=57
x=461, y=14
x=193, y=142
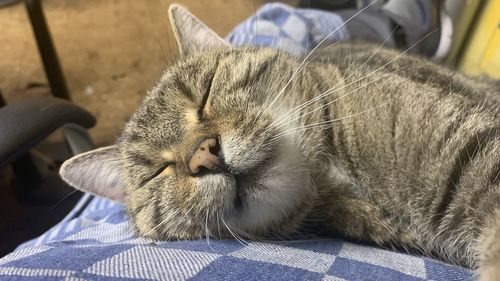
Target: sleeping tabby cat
x=369, y=143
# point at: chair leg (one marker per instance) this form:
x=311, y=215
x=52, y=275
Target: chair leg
x=2, y=100
x=47, y=49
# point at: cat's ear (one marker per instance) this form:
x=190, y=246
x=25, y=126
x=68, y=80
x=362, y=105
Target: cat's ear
x=192, y=35
x=97, y=171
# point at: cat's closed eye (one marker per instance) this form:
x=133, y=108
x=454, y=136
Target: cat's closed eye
x=204, y=100
x=162, y=169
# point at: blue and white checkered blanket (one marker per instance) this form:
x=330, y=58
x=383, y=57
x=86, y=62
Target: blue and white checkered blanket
x=96, y=242
x=99, y=244
x=289, y=29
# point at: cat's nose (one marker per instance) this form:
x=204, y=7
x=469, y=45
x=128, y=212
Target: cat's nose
x=205, y=156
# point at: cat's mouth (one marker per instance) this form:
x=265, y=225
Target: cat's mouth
x=244, y=185
x=246, y=180
x=257, y=187
x=238, y=199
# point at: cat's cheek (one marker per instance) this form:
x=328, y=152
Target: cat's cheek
x=237, y=151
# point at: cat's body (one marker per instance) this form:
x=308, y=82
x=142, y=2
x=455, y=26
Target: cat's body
x=427, y=161
x=365, y=142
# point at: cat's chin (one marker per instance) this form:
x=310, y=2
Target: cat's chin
x=275, y=199
x=262, y=203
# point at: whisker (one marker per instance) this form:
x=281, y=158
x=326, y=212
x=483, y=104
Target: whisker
x=337, y=99
x=323, y=123
x=294, y=74
x=218, y=223
x=207, y=231
x=333, y=89
x=64, y=198
x=155, y=33
x=232, y=233
x=299, y=107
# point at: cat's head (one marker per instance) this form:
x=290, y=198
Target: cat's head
x=205, y=151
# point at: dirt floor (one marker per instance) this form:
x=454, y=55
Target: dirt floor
x=111, y=51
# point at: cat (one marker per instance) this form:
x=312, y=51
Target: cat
x=368, y=143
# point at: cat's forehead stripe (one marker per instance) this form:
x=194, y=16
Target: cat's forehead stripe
x=191, y=116
x=167, y=155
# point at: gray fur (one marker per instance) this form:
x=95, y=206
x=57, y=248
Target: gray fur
x=391, y=149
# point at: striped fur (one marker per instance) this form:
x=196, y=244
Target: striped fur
x=387, y=148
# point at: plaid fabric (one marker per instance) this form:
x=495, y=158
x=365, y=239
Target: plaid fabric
x=99, y=244
x=289, y=29
x=96, y=242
